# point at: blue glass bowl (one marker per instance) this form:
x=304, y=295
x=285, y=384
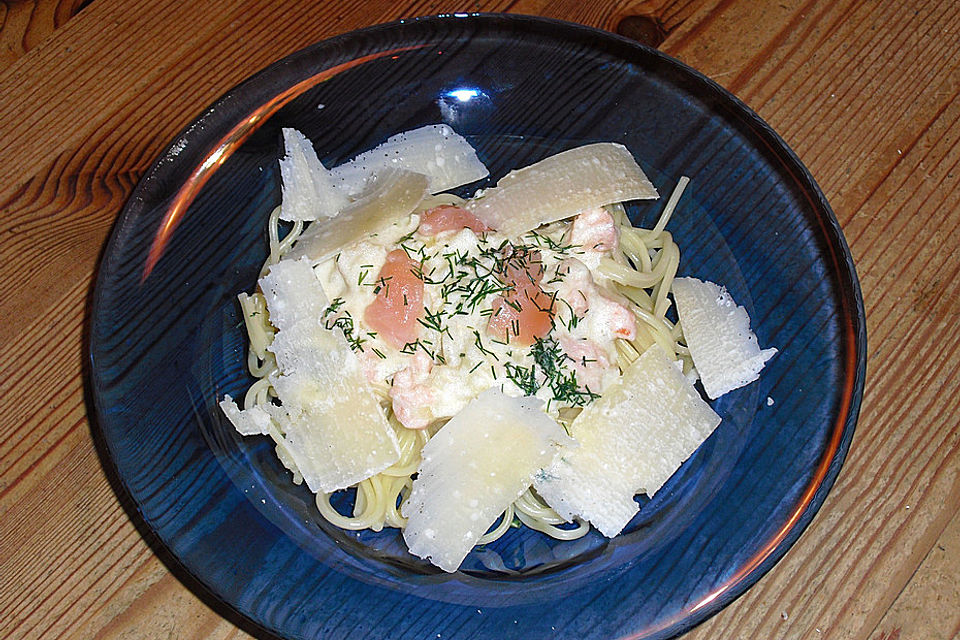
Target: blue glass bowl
x=167, y=342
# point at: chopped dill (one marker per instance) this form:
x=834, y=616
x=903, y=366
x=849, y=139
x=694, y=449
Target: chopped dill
x=410, y=348
x=550, y=371
x=565, y=388
x=381, y=284
x=364, y=272
x=546, y=242
x=548, y=355
x=574, y=319
x=525, y=378
x=345, y=323
x=333, y=307
x=434, y=320
x=479, y=342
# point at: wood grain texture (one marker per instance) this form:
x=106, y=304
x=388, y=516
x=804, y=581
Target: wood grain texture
x=865, y=92
x=926, y=608
x=26, y=23
x=890, y=174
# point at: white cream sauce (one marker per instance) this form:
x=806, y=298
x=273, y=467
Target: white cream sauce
x=454, y=358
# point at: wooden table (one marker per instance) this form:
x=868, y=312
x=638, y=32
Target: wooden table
x=864, y=91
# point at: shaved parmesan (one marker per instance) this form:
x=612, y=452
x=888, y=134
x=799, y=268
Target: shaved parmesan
x=436, y=151
x=249, y=422
x=725, y=352
x=391, y=199
x=308, y=191
x=378, y=251
x=632, y=439
x=482, y=460
x=560, y=186
x=333, y=427
x=292, y=292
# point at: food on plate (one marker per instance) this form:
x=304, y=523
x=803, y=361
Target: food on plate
x=717, y=331
x=590, y=176
x=468, y=365
x=468, y=477
x=631, y=440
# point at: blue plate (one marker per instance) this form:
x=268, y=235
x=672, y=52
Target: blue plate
x=167, y=341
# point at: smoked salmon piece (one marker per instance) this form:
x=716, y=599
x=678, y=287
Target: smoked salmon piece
x=524, y=313
x=394, y=312
x=449, y=218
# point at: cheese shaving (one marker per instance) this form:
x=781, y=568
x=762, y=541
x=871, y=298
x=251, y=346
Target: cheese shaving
x=560, y=186
x=717, y=330
x=482, y=460
x=632, y=439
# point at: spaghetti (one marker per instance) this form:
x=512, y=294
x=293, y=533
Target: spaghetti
x=639, y=273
